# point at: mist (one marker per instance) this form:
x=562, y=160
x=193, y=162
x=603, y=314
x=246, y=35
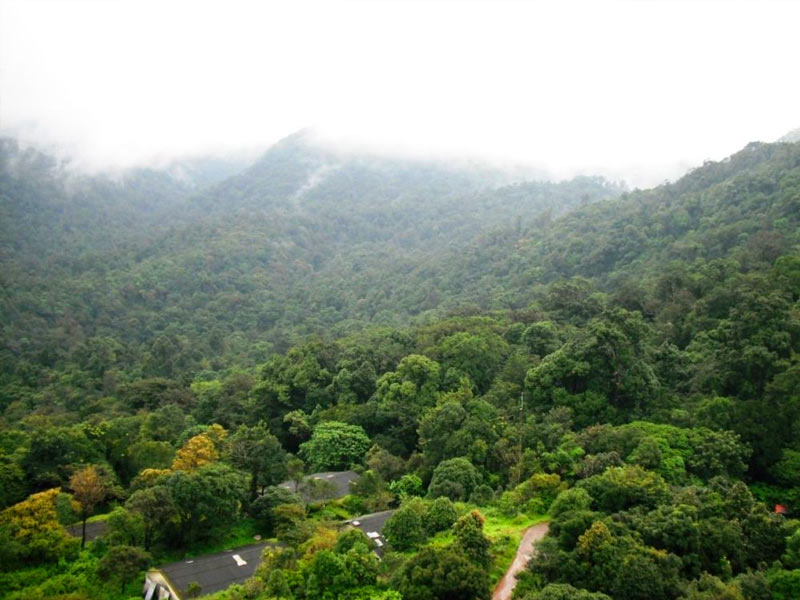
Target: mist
x=640, y=91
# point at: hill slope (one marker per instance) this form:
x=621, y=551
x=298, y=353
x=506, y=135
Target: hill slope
x=302, y=241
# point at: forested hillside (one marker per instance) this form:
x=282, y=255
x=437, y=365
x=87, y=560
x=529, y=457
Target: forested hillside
x=622, y=363
x=152, y=278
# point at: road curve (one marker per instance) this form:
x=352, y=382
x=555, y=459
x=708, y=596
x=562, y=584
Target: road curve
x=505, y=587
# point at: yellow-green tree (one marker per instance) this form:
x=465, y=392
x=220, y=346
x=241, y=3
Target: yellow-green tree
x=198, y=451
x=32, y=525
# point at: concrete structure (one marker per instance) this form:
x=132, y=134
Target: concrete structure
x=213, y=572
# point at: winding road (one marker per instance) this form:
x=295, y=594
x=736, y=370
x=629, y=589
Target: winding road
x=505, y=587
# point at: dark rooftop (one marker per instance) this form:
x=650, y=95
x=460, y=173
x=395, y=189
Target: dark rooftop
x=372, y=525
x=214, y=572
x=340, y=479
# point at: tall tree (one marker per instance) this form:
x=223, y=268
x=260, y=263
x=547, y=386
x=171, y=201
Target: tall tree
x=122, y=564
x=89, y=489
x=471, y=539
x=257, y=451
x=155, y=506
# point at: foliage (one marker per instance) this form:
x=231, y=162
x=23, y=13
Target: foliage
x=471, y=539
x=439, y=516
x=195, y=453
x=88, y=489
x=455, y=478
x=122, y=564
x=404, y=530
x=335, y=445
x=205, y=501
x=451, y=333
x=261, y=509
x=33, y=530
x=442, y=573
x=564, y=591
x=155, y=506
x=259, y=453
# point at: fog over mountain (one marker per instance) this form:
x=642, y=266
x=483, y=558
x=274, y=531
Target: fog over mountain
x=563, y=87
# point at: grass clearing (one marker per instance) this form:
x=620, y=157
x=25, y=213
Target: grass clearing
x=505, y=534
x=503, y=531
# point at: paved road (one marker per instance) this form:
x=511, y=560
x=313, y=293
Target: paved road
x=94, y=529
x=505, y=587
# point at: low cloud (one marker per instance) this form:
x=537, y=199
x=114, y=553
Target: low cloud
x=634, y=90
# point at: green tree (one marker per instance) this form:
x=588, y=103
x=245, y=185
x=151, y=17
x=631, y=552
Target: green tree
x=206, y=501
x=155, y=505
x=408, y=485
x=620, y=488
x=255, y=450
x=12, y=482
x=52, y=450
x=471, y=539
x=439, y=516
x=122, y=564
x=403, y=530
x=335, y=446
x=148, y=454
x=454, y=478
x=436, y=573
x=564, y=591
x=402, y=396
x=386, y=464
x=261, y=509
x=125, y=528
x=477, y=355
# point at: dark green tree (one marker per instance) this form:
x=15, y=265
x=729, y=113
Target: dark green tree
x=256, y=451
x=122, y=564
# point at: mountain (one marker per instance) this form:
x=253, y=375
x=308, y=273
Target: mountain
x=49, y=208
x=306, y=240
x=791, y=137
x=626, y=362
x=745, y=209
x=160, y=278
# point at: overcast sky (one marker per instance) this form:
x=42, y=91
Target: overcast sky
x=634, y=89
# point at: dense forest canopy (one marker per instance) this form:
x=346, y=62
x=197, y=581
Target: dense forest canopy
x=481, y=351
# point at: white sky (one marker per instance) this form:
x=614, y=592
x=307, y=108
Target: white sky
x=634, y=89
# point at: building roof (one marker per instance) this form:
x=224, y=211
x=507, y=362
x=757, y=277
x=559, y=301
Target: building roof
x=372, y=525
x=340, y=479
x=214, y=572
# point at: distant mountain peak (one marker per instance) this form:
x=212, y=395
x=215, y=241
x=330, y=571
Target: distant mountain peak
x=792, y=136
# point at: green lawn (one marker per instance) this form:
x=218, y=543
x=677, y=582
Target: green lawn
x=506, y=535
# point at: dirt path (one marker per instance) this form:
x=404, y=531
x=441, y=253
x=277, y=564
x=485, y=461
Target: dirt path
x=505, y=586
